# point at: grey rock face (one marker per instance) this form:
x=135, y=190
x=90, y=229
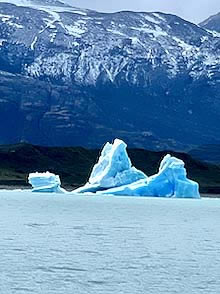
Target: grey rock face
x=71, y=76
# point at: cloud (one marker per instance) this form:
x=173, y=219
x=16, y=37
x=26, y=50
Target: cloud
x=192, y=10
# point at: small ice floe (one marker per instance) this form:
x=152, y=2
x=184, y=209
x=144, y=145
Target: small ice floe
x=45, y=182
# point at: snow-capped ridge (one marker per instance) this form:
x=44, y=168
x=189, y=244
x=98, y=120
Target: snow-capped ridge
x=212, y=23
x=49, y=6
x=159, y=57
x=30, y=3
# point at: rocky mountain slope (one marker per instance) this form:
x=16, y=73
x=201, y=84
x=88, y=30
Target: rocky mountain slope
x=71, y=76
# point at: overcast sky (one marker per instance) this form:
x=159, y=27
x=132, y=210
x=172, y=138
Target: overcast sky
x=192, y=10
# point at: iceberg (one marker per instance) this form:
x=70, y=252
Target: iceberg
x=170, y=181
x=114, y=169
x=45, y=182
x=115, y=175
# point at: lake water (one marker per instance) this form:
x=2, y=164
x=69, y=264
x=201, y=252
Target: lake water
x=72, y=245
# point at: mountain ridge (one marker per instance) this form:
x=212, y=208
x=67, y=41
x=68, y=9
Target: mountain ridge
x=94, y=76
x=212, y=23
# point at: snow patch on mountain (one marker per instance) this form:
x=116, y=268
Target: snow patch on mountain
x=34, y=43
x=159, y=16
x=59, y=65
x=76, y=29
x=156, y=32
x=116, y=32
x=5, y=17
x=105, y=46
x=152, y=18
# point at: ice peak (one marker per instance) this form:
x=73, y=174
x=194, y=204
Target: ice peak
x=36, y=3
x=113, y=174
x=113, y=169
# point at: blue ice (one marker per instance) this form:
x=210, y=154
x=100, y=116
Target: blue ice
x=114, y=174
x=170, y=181
x=114, y=169
x=45, y=182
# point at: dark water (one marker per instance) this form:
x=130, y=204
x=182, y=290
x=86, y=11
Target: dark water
x=70, y=244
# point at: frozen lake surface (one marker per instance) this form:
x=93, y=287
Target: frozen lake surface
x=65, y=244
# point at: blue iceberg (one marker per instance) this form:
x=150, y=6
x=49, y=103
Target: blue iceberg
x=45, y=182
x=170, y=181
x=114, y=169
x=114, y=174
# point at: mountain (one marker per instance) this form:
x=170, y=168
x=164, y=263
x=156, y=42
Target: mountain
x=17, y=161
x=212, y=23
x=208, y=153
x=71, y=76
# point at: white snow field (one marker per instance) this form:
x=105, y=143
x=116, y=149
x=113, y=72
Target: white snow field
x=65, y=244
